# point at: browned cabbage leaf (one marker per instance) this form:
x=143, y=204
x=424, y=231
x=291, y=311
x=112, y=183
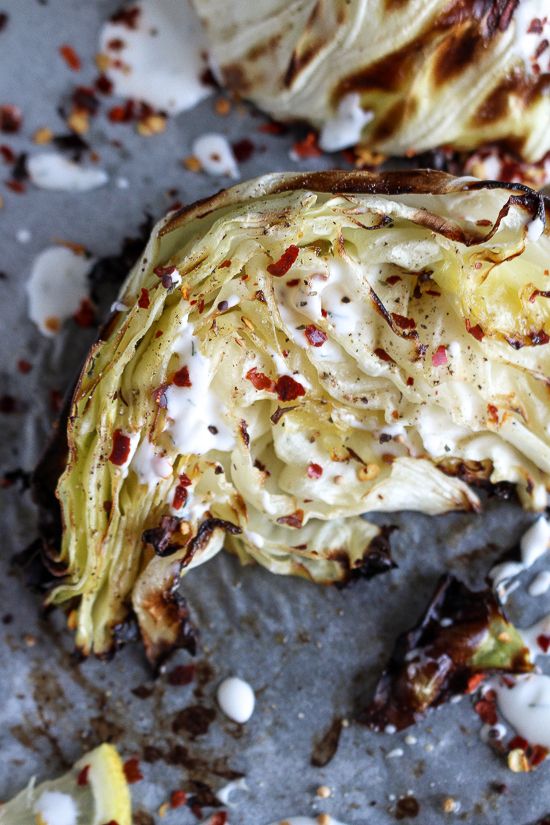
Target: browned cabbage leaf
x=288, y=355
x=399, y=76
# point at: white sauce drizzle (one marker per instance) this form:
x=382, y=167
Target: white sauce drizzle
x=540, y=584
x=236, y=699
x=225, y=793
x=56, y=808
x=215, y=155
x=57, y=286
x=192, y=410
x=533, y=544
x=535, y=228
x=345, y=128
x=50, y=170
x=526, y=706
x=161, y=61
x=149, y=465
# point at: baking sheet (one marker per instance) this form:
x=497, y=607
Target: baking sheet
x=310, y=653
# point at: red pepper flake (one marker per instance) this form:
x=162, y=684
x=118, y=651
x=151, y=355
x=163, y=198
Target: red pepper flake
x=537, y=754
x=410, y=381
x=260, y=380
x=483, y=222
x=273, y=128
x=16, y=186
x=112, y=822
x=294, y=519
x=393, y=279
x=84, y=99
x=121, y=448
x=324, y=313
x=180, y=497
x=288, y=389
x=177, y=799
x=402, y=321
x=103, y=84
x=518, y=742
x=281, y=267
x=85, y=314
x=121, y=114
x=24, y=366
x=383, y=355
x=476, y=330
x=259, y=296
x=159, y=396
x=433, y=292
x=10, y=118
x=439, y=357
x=132, y=770
x=314, y=471
x=8, y=155
x=543, y=642
x=308, y=147
x=181, y=675
x=181, y=378
x=535, y=26
x=128, y=17
x=158, y=333
x=70, y=57
x=243, y=150
x=293, y=282
x=143, y=300
x=116, y=44
x=492, y=412
x=219, y=818
x=225, y=264
x=200, y=306
x=82, y=778
x=539, y=338
x=315, y=336
x=543, y=293
x=474, y=682
x=486, y=710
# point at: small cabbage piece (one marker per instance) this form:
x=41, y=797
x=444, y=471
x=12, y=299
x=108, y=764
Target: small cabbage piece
x=292, y=353
x=463, y=636
x=396, y=76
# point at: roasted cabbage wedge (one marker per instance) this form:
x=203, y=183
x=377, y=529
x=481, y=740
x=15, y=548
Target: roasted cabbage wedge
x=286, y=356
x=398, y=76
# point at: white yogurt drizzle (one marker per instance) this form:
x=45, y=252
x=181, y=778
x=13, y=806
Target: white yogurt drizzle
x=526, y=706
x=50, y=170
x=56, y=808
x=236, y=699
x=149, y=465
x=540, y=584
x=57, y=286
x=193, y=410
x=345, y=128
x=533, y=544
x=225, y=793
x=162, y=59
x=215, y=155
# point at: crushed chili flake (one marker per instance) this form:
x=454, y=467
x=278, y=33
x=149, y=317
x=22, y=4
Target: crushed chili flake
x=518, y=742
x=537, y=754
x=116, y=44
x=260, y=380
x=324, y=313
x=181, y=675
x=410, y=381
x=543, y=642
x=70, y=57
x=121, y=448
x=85, y=314
x=273, y=128
x=158, y=333
x=492, y=412
x=314, y=471
x=143, y=300
x=474, y=682
x=219, y=818
x=486, y=710
x=225, y=264
x=539, y=338
x=439, y=357
x=180, y=497
x=308, y=147
x=84, y=99
x=402, y=321
x=288, y=389
x=10, y=118
x=293, y=282
x=393, y=279
x=121, y=114
x=8, y=155
x=82, y=778
x=383, y=355
x=315, y=336
x=535, y=26
x=128, y=17
x=281, y=267
x=243, y=149
x=24, y=366
x=474, y=330
x=181, y=377
x=259, y=296
x=165, y=275
x=542, y=293
x=108, y=506
x=16, y=186
x=159, y=396
x=294, y=519
x=132, y=770
x=177, y=799
x=103, y=84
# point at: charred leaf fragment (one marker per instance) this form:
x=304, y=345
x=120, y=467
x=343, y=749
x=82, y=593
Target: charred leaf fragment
x=462, y=633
